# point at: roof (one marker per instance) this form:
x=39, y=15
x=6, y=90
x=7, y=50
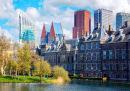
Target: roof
x=121, y=35
x=98, y=34
x=44, y=33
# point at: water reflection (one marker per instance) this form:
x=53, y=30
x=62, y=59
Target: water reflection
x=75, y=85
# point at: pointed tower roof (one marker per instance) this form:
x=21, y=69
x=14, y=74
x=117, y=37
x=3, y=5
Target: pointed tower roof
x=52, y=31
x=44, y=33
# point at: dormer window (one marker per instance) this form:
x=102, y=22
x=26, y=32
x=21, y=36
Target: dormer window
x=82, y=47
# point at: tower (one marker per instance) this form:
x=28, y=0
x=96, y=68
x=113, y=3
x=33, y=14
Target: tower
x=82, y=21
x=104, y=17
x=27, y=30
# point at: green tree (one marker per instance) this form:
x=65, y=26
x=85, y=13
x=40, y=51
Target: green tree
x=60, y=72
x=4, y=46
x=42, y=68
x=25, y=60
x=11, y=66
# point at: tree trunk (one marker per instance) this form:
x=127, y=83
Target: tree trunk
x=44, y=76
x=41, y=78
x=24, y=76
x=15, y=74
x=29, y=72
x=18, y=74
x=2, y=69
x=10, y=72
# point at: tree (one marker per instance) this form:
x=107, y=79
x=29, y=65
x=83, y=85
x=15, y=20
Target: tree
x=25, y=59
x=42, y=68
x=11, y=66
x=4, y=46
x=60, y=72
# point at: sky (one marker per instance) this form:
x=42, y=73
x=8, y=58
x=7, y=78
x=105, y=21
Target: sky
x=46, y=11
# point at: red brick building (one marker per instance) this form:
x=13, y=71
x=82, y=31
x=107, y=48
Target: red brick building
x=82, y=21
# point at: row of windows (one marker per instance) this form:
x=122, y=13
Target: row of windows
x=89, y=57
x=115, y=66
x=92, y=46
x=116, y=54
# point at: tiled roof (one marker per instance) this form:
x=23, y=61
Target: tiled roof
x=44, y=33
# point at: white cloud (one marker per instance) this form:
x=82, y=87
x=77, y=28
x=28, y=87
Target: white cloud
x=51, y=12
x=6, y=33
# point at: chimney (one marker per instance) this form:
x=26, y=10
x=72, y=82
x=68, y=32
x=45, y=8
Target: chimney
x=98, y=25
x=11, y=40
x=55, y=38
x=20, y=40
x=109, y=27
x=126, y=23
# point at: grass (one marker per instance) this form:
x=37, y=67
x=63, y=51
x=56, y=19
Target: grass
x=28, y=79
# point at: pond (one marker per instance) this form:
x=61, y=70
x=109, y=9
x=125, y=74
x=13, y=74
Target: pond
x=74, y=85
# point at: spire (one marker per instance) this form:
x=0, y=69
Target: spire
x=52, y=31
x=82, y=34
x=43, y=32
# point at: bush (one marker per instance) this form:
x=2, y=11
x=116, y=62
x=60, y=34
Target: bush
x=81, y=75
x=60, y=72
x=75, y=75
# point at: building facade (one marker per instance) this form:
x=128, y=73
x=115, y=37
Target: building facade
x=104, y=17
x=101, y=54
x=121, y=18
x=27, y=30
x=82, y=21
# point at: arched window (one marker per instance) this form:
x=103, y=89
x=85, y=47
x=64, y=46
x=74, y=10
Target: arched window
x=82, y=47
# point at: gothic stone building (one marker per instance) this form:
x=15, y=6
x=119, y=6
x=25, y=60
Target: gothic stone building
x=101, y=54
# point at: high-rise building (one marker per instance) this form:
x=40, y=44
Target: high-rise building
x=104, y=17
x=27, y=30
x=121, y=18
x=82, y=21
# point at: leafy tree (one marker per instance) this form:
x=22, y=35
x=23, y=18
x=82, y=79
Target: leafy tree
x=42, y=68
x=4, y=46
x=60, y=72
x=11, y=66
x=25, y=59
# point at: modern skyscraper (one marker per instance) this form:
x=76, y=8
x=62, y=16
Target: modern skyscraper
x=27, y=30
x=121, y=18
x=104, y=17
x=82, y=21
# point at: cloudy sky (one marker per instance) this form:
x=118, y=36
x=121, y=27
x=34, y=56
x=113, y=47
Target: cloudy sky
x=52, y=10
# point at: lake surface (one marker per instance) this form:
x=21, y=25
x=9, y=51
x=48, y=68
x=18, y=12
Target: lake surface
x=74, y=85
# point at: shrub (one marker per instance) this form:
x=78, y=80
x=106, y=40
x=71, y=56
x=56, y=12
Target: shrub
x=60, y=72
x=75, y=75
x=81, y=75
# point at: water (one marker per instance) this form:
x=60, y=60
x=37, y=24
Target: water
x=75, y=85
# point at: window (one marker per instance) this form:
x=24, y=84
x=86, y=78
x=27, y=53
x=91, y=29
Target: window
x=91, y=45
x=86, y=66
x=104, y=54
x=91, y=56
x=86, y=56
x=72, y=59
x=123, y=54
x=82, y=66
x=110, y=54
x=117, y=54
x=104, y=66
x=87, y=46
x=117, y=66
x=82, y=47
x=92, y=65
x=123, y=76
x=68, y=59
x=96, y=66
x=76, y=57
x=82, y=57
x=97, y=45
x=97, y=55
x=123, y=66
x=110, y=66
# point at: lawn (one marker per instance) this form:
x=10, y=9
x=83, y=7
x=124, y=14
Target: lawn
x=28, y=79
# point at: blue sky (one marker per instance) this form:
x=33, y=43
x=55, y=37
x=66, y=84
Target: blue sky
x=46, y=11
